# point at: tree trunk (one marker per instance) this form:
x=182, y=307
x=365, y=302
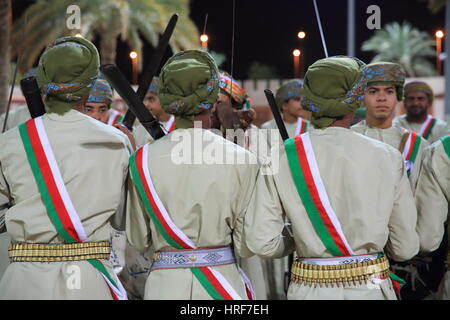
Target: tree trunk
x=5, y=29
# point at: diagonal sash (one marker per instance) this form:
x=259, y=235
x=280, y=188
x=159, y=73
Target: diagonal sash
x=54, y=194
x=311, y=190
x=115, y=117
x=170, y=125
x=302, y=126
x=212, y=281
x=427, y=127
x=411, y=150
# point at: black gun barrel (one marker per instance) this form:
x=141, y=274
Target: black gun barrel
x=152, y=68
x=32, y=95
x=276, y=114
x=135, y=105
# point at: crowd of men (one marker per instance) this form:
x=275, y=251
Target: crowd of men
x=92, y=210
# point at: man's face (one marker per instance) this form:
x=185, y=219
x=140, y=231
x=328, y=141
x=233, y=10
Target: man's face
x=417, y=103
x=153, y=105
x=380, y=101
x=294, y=107
x=96, y=110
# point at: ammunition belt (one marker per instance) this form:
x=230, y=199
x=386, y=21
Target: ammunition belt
x=339, y=274
x=49, y=252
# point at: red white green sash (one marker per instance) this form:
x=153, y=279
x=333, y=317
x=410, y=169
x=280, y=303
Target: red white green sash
x=411, y=150
x=170, y=124
x=213, y=282
x=302, y=126
x=115, y=117
x=311, y=190
x=446, y=143
x=55, y=197
x=427, y=127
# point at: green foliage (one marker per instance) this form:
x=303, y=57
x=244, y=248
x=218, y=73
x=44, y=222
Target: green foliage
x=407, y=46
x=436, y=5
x=218, y=57
x=45, y=21
x=259, y=71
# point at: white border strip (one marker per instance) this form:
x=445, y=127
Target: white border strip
x=299, y=126
x=158, y=202
x=408, y=146
x=112, y=116
x=425, y=124
x=169, y=123
x=224, y=282
x=58, y=179
x=321, y=189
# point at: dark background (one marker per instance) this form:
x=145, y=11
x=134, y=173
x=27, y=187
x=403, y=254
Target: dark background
x=266, y=31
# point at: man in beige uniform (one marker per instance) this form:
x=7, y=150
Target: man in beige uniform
x=432, y=199
x=86, y=153
x=384, y=90
x=418, y=101
x=288, y=98
x=364, y=191
x=205, y=199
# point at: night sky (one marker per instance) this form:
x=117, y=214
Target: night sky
x=266, y=31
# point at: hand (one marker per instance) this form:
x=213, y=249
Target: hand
x=125, y=130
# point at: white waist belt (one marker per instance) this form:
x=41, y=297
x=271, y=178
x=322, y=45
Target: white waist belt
x=192, y=258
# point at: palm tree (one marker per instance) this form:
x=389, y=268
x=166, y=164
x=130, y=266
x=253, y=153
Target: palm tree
x=5, y=19
x=436, y=5
x=404, y=45
x=129, y=19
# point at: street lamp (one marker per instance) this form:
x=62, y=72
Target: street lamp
x=204, y=39
x=301, y=35
x=296, y=53
x=439, y=35
x=134, y=66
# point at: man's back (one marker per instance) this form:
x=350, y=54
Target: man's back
x=367, y=188
x=86, y=152
x=205, y=200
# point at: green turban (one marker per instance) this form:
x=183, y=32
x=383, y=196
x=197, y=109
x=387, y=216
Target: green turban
x=333, y=87
x=385, y=74
x=289, y=90
x=101, y=92
x=66, y=72
x=188, y=85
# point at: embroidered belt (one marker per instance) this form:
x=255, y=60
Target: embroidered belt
x=339, y=270
x=49, y=252
x=192, y=258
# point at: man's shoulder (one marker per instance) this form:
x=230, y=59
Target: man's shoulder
x=268, y=124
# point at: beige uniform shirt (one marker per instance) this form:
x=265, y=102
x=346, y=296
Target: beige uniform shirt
x=393, y=137
x=205, y=198
x=368, y=189
x=93, y=160
x=15, y=117
x=433, y=198
x=440, y=129
x=290, y=128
